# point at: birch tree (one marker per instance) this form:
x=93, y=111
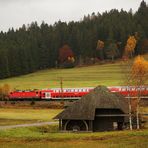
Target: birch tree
x=139, y=74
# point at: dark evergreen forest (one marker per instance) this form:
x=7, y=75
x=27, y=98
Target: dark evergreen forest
x=33, y=47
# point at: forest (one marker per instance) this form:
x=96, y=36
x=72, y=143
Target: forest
x=33, y=47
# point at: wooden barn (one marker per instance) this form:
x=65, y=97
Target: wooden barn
x=100, y=110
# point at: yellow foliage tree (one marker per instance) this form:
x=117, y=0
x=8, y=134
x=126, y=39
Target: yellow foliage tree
x=100, y=44
x=1, y=94
x=4, y=91
x=130, y=45
x=139, y=70
x=139, y=75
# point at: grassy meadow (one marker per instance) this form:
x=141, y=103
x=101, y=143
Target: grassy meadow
x=89, y=76
x=13, y=116
x=42, y=137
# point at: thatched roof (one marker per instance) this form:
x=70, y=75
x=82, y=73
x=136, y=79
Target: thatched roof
x=100, y=98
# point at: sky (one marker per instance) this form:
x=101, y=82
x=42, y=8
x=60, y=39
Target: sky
x=15, y=13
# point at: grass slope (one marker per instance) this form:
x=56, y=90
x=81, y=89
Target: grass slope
x=106, y=74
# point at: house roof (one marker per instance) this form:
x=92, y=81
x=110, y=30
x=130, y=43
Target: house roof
x=99, y=98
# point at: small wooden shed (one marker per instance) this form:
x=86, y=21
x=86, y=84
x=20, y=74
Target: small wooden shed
x=100, y=110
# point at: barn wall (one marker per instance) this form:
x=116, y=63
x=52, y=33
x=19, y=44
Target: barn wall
x=107, y=123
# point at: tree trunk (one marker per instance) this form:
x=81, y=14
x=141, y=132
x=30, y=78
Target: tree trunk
x=137, y=109
x=137, y=114
x=130, y=110
x=130, y=115
x=112, y=59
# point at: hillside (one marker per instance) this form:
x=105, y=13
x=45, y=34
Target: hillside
x=89, y=76
x=104, y=36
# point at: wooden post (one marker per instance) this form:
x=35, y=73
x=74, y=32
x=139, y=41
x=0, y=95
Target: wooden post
x=61, y=86
x=60, y=125
x=90, y=125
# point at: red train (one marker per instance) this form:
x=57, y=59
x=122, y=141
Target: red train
x=71, y=93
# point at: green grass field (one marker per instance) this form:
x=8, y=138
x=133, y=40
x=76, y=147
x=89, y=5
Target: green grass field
x=109, y=74
x=21, y=116
x=42, y=137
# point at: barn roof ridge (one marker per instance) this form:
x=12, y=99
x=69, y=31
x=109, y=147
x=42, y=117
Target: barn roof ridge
x=99, y=98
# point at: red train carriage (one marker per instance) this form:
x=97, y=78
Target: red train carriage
x=131, y=91
x=70, y=92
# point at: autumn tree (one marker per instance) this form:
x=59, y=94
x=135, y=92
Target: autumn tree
x=4, y=91
x=139, y=74
x=1, y=94
x=99, y=49
x=130, y=46
x=66, y=56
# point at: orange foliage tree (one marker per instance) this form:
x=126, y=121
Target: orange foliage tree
x=4, y=91
x=139, y=70
x=99, y=48
x=139, y=75
x=130, y=45
x=66, y=55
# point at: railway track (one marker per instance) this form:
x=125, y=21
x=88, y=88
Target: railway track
x=60, y=99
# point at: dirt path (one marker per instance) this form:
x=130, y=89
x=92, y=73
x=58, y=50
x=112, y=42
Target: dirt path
x=27, y=125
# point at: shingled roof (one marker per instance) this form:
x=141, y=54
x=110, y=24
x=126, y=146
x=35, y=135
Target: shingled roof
x=99, y=98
